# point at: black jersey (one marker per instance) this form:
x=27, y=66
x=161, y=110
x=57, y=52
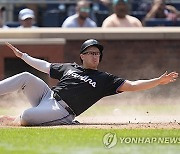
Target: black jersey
x=80, y=88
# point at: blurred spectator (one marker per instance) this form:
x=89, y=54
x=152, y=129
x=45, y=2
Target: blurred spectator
x=26, y=18
x=144, y=6
x=101, y=9
x=141, y=5
x=160, y=10
x=2, y=9
x=81, y=18
x=120, y=17
x=71, y=9
x=102, y=6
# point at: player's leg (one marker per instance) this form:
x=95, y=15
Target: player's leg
x=45, y=117
x=33, y=87
x=48, y=112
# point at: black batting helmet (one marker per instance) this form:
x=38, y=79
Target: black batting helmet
x=92, y=42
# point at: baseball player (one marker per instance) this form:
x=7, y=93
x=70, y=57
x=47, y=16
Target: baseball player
x=78, y=89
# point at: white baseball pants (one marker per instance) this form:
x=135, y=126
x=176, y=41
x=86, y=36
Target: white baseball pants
x=45, y=109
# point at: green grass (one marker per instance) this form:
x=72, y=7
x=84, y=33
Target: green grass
x=82, y=141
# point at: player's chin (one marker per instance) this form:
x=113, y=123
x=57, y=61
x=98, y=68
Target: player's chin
x=95, y=63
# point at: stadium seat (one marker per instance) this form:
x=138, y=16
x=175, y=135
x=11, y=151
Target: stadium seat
x=100, y=16
x=53, y=18
x=159, y=22
x=12, y=24
x=139, y=14
x=175, y=4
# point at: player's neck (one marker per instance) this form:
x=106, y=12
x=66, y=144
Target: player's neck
x=89, y=67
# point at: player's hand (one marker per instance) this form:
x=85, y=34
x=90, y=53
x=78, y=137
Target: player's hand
x=168, y=77
x=15, y=50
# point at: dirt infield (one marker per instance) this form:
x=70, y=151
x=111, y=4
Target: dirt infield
x=125, y=126
x=110, y=126
x=117, y=112
x=129, y=126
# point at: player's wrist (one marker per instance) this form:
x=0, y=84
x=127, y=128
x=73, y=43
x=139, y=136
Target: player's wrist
x=160, y=80
x=24, y=56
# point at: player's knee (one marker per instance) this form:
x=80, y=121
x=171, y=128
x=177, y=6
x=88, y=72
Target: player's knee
x=27, y=118
x=27, y=75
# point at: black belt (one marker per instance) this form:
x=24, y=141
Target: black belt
x=58, y=98
x=70, y=110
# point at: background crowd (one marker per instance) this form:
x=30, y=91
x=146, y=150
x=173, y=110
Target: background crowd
x=93, y=13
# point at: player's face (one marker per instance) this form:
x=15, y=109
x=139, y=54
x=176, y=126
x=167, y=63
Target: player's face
x=91, y=57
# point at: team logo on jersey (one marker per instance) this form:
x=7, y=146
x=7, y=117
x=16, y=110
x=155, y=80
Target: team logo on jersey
x=85, y=78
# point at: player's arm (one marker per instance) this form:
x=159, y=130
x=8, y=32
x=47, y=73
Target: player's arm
x=148, y=84
x=38, y=64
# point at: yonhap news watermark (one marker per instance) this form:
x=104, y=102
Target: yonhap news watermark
x=111, y=139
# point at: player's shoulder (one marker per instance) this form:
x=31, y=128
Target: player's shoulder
x=74, y=64
x=105, y=74
x=63, y=64
x=110, y=75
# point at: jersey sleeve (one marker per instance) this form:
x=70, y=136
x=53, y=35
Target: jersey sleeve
x=56, y=70
x=113, y=84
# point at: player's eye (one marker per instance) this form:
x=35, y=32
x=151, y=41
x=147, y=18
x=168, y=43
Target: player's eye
x=93, y=53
